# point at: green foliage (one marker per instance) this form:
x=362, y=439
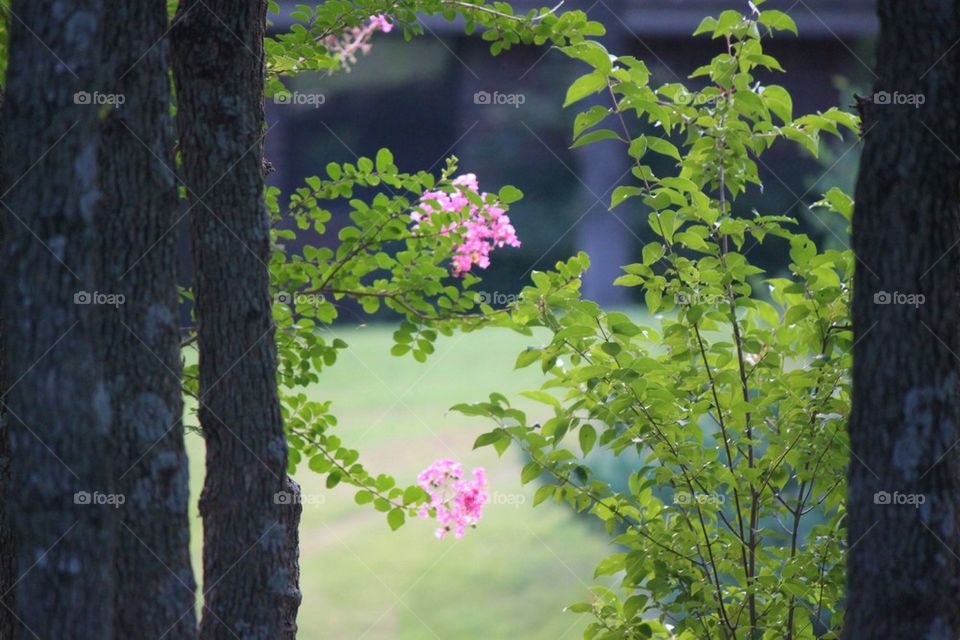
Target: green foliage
x=381, y=259
x=733, y=524
x=303, y=47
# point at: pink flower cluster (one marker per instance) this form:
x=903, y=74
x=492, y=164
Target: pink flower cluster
x=483, y=228
x=457, y=503
x=357, y=40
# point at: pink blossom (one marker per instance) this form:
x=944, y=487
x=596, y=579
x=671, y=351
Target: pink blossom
x=356, y=40
x=381, y=22
x=455, y=502
x=482, y=228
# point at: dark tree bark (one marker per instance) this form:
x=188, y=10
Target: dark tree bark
x=57, y=406
x=8, y=551
x=138, y=251
x=8, y=560
x=904, y=560
x=290, y=509
x=218, y=63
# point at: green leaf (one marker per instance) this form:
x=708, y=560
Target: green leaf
x=585, y=86
x=663, y=147
x=652, y=299
x=652, y=252
x=622, y=193
x=802, y=249
x=411, y=494
x=396, y=518
x=384, y=161
x=708, y=25
x=487, y=439
x=638, y=147
x=542, y=494
x=319, y=464
x=778, y=100
x=777, y=20
x=589, y=118
x=591, y=52
x=527, y=357
x=542, y=396
x=595, y=136
x=588, y=436
x=509, y=194
x=531, y=471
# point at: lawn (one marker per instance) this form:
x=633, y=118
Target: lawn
x=510, y=578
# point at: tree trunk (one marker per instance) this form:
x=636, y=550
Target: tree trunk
x=58, y=408
x=218, y=63
x=904, y=491
x=138, y=251
x=8, y=558
x=290, y=509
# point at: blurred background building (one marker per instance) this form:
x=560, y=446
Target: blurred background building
x=444, y=94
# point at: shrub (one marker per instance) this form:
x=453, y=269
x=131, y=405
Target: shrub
x=735, y=394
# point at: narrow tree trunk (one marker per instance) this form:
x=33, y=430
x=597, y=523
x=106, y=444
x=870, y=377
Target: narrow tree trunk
x=8, y=551
x=904, y=492
x=290, y=509
x=57, y=406
x=218, y=63
x=137, y=216
x=8, y=560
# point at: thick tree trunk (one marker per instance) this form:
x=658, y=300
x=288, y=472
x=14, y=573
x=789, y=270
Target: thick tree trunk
x=904, y=492
x=138, y=212
x=58, y=408
x=218, y=63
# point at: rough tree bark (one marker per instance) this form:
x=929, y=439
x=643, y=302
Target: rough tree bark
x=904, y=560
x=138, y=251
x=57, y=405
x=8, y=557
x=248, y=565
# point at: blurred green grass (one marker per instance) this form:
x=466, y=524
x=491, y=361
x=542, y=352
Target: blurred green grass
x=510, y=578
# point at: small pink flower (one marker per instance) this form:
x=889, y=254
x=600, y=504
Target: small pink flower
x=455, y=502
x=382, y=23
x=356, y=40
x=482, y=228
